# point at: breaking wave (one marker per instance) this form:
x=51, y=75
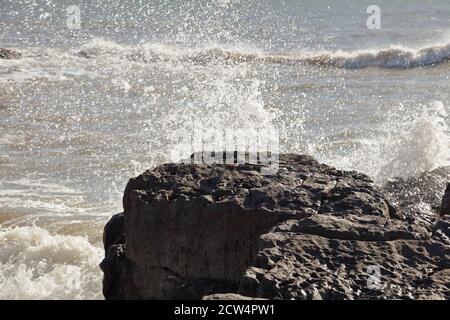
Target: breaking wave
x=35, y=264
x=56, y=254
x=422, y=144
x=58, y=65
x=411, y=141
x=395, y=57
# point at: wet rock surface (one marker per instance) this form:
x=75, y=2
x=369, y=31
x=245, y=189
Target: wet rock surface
x=445, y=205
x=419, y=199
x=308, y=232
x=9, y=54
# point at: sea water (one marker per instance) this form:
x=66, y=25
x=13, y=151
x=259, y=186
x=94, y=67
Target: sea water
x=101, y=88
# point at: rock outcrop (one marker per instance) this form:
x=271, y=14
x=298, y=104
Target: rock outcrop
x=445, y=205
x=192, y=231
x=9, y=54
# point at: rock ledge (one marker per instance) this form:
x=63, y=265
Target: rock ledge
x=192, y=231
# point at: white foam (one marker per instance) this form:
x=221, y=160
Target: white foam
x=56, y=65
x=157, y=51
x=391, y=57
x=35, y=264
x=122, y=85
x=423, y=144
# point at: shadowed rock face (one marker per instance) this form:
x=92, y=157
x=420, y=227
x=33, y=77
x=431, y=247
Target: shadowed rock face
x=9, y=54
x=445, y=205
x=308, y=232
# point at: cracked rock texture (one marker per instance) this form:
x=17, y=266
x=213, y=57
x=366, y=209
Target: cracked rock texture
x=309, y=232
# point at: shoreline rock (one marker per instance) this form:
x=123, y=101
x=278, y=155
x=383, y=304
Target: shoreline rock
x=419, y=199
x=445, y=206
x=9, y=54
x=197, y=231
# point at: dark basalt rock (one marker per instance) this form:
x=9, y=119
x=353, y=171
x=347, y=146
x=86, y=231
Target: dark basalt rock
x=9, y=54
x=192, y=231
x=84, y=54
x=445, y=206
x=114, y=231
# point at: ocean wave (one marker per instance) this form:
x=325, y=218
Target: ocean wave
x=392, y=57
x=35, y=264
x=395, y=57
x=43, y=64
x=411, y=140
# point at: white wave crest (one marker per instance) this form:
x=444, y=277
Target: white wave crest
x=393, y=57
x=398, y=57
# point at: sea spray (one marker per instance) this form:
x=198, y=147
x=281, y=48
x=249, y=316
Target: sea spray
x=421, y=144
x=409, y=140
x=82, y=112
